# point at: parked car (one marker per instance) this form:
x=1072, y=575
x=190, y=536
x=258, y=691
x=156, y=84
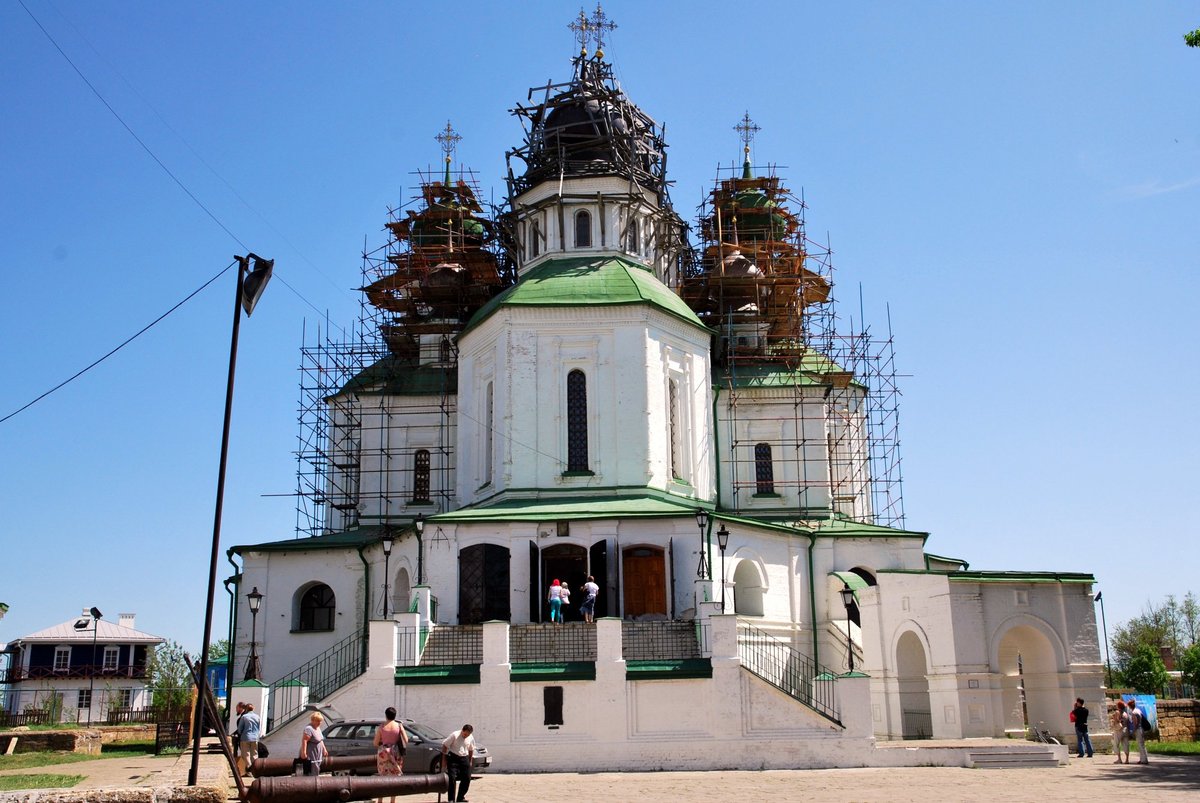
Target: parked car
x=424, y=755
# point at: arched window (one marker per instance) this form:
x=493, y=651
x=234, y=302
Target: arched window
x=764, y=470
x=633, y=241
x=317, y=608
x=577, y=433
x=673, y=427
x=421, y=476
x=488, y=439
x=535, y=240
x=583, y=229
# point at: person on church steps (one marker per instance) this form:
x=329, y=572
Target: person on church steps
x=566, y=600
x=588, y=608
x=458, y=756
x=554, y=597
x=1079, y=715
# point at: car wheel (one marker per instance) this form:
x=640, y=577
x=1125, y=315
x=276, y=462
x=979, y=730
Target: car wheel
x=435, y=766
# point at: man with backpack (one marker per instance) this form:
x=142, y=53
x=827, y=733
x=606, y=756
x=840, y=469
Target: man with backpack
x=1079, y=715
x=1141, y=726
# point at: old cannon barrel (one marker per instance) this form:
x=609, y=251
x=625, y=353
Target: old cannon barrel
x=329, y=788
x=262, y=767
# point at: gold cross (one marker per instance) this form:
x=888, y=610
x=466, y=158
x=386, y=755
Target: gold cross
x=597, y=25
x=581, y=28
x=746, y=130
x=448, y=139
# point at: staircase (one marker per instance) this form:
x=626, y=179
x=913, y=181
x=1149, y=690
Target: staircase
x=323, y=675
x=793, y=673
x=1016, y=756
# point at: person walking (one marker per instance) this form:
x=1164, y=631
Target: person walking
x=458, y=756
x=565, y=595
x=312, y=745
x=1136, y=715
x=1079, y=715
x=1120, y=730
x=588, y=608
x=391, y=743
x=249, y=728
x=554, y=597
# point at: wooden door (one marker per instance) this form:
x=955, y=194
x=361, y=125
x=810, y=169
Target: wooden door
x=644, y=578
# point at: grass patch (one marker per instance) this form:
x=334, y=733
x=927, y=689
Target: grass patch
x=134, y=747
x=20, y=761
x=42, y=781
x=1174, y=748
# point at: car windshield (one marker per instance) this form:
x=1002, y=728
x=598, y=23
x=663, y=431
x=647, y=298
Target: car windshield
x=424, y=732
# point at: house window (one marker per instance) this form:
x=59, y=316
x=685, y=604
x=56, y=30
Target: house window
x=764, y=470
x=633, y=241
x=673, y=426
x=535, y=236
x=577, y=434
x=110, y=659
x=84, y=700
x=125, y=698
x=583, y=229
x=317, y=608
x=62, y=659
x=421, y=476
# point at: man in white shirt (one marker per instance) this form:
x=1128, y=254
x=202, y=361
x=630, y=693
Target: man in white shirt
x=458, y=755
x=588, y=608
x=1136, y=715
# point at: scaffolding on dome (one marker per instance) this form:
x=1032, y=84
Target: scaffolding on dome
x=829, y=385
x=393, y=377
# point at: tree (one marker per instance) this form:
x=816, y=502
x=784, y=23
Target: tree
x=1145, y=671
x=1193, y=38
x=218, y=651
x=1189, y=666
x=170, y=681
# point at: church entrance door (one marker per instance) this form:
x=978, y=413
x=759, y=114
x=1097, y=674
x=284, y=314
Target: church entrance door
x=643, y=576
x=568, y=564
x=483, y=587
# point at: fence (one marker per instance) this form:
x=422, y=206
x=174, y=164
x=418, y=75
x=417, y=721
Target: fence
x=657, y=641
x=916, y=724
x=38, y=717
x=551, y=643
x=171, y=735
x=793, y=673
x=453, y=645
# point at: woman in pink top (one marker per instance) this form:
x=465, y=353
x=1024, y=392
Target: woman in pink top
x=391, y=742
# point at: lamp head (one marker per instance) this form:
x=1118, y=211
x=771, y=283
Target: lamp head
x=419, y=523
x=95, y=612
x=847, y=595
x=722, y=538
x=255, y=598
x=701, y=518
x=388, y=539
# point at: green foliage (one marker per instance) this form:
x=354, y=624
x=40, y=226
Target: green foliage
x=11, y=782
x=41, y=758
x=1174, y=626
x=1174, y=748
x=218, y=651
x=169, y=678
x=1189, y=665
x=1193, y=38
x=1145, y=671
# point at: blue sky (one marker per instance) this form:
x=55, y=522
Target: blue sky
x=1018, y=182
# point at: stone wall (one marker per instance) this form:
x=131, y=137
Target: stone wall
x=73, y=740
x=1179, y=720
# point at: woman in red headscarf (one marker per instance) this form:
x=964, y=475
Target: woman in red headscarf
x=555, y=600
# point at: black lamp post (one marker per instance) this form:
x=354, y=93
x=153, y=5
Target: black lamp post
x=722, y=542
x=250, y=286
x=702, y=571
x=253, y=670
x=419, y=524
x=848, y=600
x=389, y=538
x=1107, y=657
x=82, y=625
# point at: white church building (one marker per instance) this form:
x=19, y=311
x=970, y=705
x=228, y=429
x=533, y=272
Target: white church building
x=580, y=385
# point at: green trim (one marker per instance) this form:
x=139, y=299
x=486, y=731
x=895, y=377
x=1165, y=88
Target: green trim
x=812, y=598
x=292, y=682
x=930, y=556
x=851, y=579
x=437, y=675
x=826, y=676
x=258, y=684
x=392, y=376
x=999, y=577
x=347, y=539
x=855, y=674
x=676, y=669
x=552, y=671
x=643, y=505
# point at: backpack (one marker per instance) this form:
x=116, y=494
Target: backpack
x=1145, y=724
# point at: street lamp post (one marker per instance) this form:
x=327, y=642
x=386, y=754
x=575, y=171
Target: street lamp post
x=253, y=670
x=389, y=538
x=419, y=525
x=82, y=625
x=1107, y=657
x=722, y=542
x=848, y=600
x=250, y=286
x=702, y=570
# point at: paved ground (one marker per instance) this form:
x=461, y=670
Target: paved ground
x=1166, y=778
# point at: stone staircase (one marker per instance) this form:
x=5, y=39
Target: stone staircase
x=1019, y=755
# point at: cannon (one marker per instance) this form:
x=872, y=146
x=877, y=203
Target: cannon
x=331, y=788
x=264, y=767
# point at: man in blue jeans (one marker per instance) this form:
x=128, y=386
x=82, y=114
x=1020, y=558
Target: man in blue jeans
x=1079, y=715
x=458, y=754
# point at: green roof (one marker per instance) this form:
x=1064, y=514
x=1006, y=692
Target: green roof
x=851, y=579
x=635, y=505
x=347, y=539
x=588, y=282
x=396, y=377
x=1000, y=577
x=810, y=368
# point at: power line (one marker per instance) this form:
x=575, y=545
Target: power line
x=140, y=332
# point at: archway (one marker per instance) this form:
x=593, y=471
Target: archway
x=568, y=564
x=1029, y=683
x=401, y=592
x=916, y=719
x=747, y=589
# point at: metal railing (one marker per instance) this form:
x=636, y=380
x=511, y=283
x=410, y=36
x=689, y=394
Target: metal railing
x=17, y=673
x=551, y=643
x=453, y=645
x=323, y=675
x=120, y=716
x=916, y=724
x=651, y=641
x=785, y=668
x=171, y=735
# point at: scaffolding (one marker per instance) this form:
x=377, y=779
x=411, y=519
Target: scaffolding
x=377, y=405
x=809, y=402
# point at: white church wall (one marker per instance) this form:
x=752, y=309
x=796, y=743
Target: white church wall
x=393, y=428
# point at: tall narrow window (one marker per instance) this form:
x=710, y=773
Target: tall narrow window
x=488, y=441
x=583, y=229
x=421, y=476
x=62, y=659
x=535, y=237
x=111, y=655
x=764, y=469
x=633, y=240
x=577, y=433
x=673, y=426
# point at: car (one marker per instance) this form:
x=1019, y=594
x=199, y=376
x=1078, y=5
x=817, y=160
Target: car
x=424, y=754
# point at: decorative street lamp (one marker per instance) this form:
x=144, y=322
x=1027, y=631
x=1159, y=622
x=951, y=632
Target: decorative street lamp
x=848, y=600
x=82, y=624
x=702, y=571
x=1107, y=657
x=388, y=538
x=419, y=524
x=253, y=670
x=722, y=542
x=250, y=286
